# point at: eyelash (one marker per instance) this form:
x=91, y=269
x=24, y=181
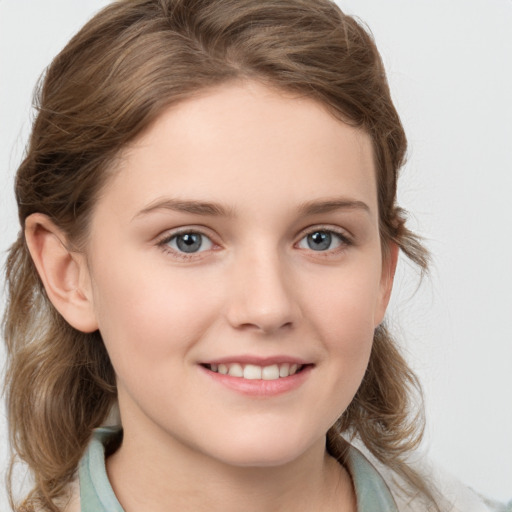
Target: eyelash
x=163, y=243
x=344, y=239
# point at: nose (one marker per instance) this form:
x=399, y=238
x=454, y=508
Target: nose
x=262, y=294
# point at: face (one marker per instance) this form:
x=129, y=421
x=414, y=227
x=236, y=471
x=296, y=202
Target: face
x=236, y=274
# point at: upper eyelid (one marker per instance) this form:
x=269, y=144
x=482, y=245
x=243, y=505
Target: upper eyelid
x=169, y=234
x=344, y=233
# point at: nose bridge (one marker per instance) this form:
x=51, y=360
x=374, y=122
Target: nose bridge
x=262, y=295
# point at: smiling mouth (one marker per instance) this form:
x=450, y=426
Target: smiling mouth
x=255, y=372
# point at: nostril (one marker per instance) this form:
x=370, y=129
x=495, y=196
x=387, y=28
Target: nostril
x=266, y=326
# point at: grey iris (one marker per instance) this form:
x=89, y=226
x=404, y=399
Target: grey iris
x=189, y=242
x=319, y=240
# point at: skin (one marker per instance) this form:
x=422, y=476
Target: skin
x=271, y=162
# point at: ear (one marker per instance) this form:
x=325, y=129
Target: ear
x=64, y=273
x=389, y=262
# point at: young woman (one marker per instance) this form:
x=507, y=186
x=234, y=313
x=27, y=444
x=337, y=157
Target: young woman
x=210, y=234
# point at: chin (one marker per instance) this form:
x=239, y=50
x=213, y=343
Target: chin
x=260, y=451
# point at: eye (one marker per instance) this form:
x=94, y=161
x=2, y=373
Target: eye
x=323, y=240
x=189, y=242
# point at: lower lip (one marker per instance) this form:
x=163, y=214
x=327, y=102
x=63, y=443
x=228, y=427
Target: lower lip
x=260, y=387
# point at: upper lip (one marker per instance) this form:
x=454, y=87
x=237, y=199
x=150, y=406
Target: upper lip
x=258, y=360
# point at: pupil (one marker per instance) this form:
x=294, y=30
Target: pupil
x=319, y=241
x=190, y=242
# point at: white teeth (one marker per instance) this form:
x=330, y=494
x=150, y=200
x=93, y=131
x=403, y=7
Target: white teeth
x=236, y=370
x=270, y=372
x=254, y=372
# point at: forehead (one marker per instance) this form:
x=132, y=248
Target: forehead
x=246, y=143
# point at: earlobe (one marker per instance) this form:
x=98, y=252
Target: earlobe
x=63, y=272
x=388, y=275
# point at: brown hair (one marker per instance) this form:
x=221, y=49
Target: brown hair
x=106, y=86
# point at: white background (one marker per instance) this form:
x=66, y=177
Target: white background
x=450, y=67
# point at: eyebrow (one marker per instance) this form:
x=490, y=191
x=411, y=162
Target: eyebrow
x=194, y=207
x=217, y=210
x=330, y=205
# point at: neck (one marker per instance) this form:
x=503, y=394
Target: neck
x=147, y=474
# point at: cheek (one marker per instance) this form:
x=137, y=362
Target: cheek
x=347, y=303
x=149, y=315
x=343, y=313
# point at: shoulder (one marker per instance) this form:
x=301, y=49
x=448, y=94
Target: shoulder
x=72, y=502
x=452, y=495
x=69, y=502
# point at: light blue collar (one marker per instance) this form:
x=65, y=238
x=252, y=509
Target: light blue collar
x=96, y=493
x=372, y=493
